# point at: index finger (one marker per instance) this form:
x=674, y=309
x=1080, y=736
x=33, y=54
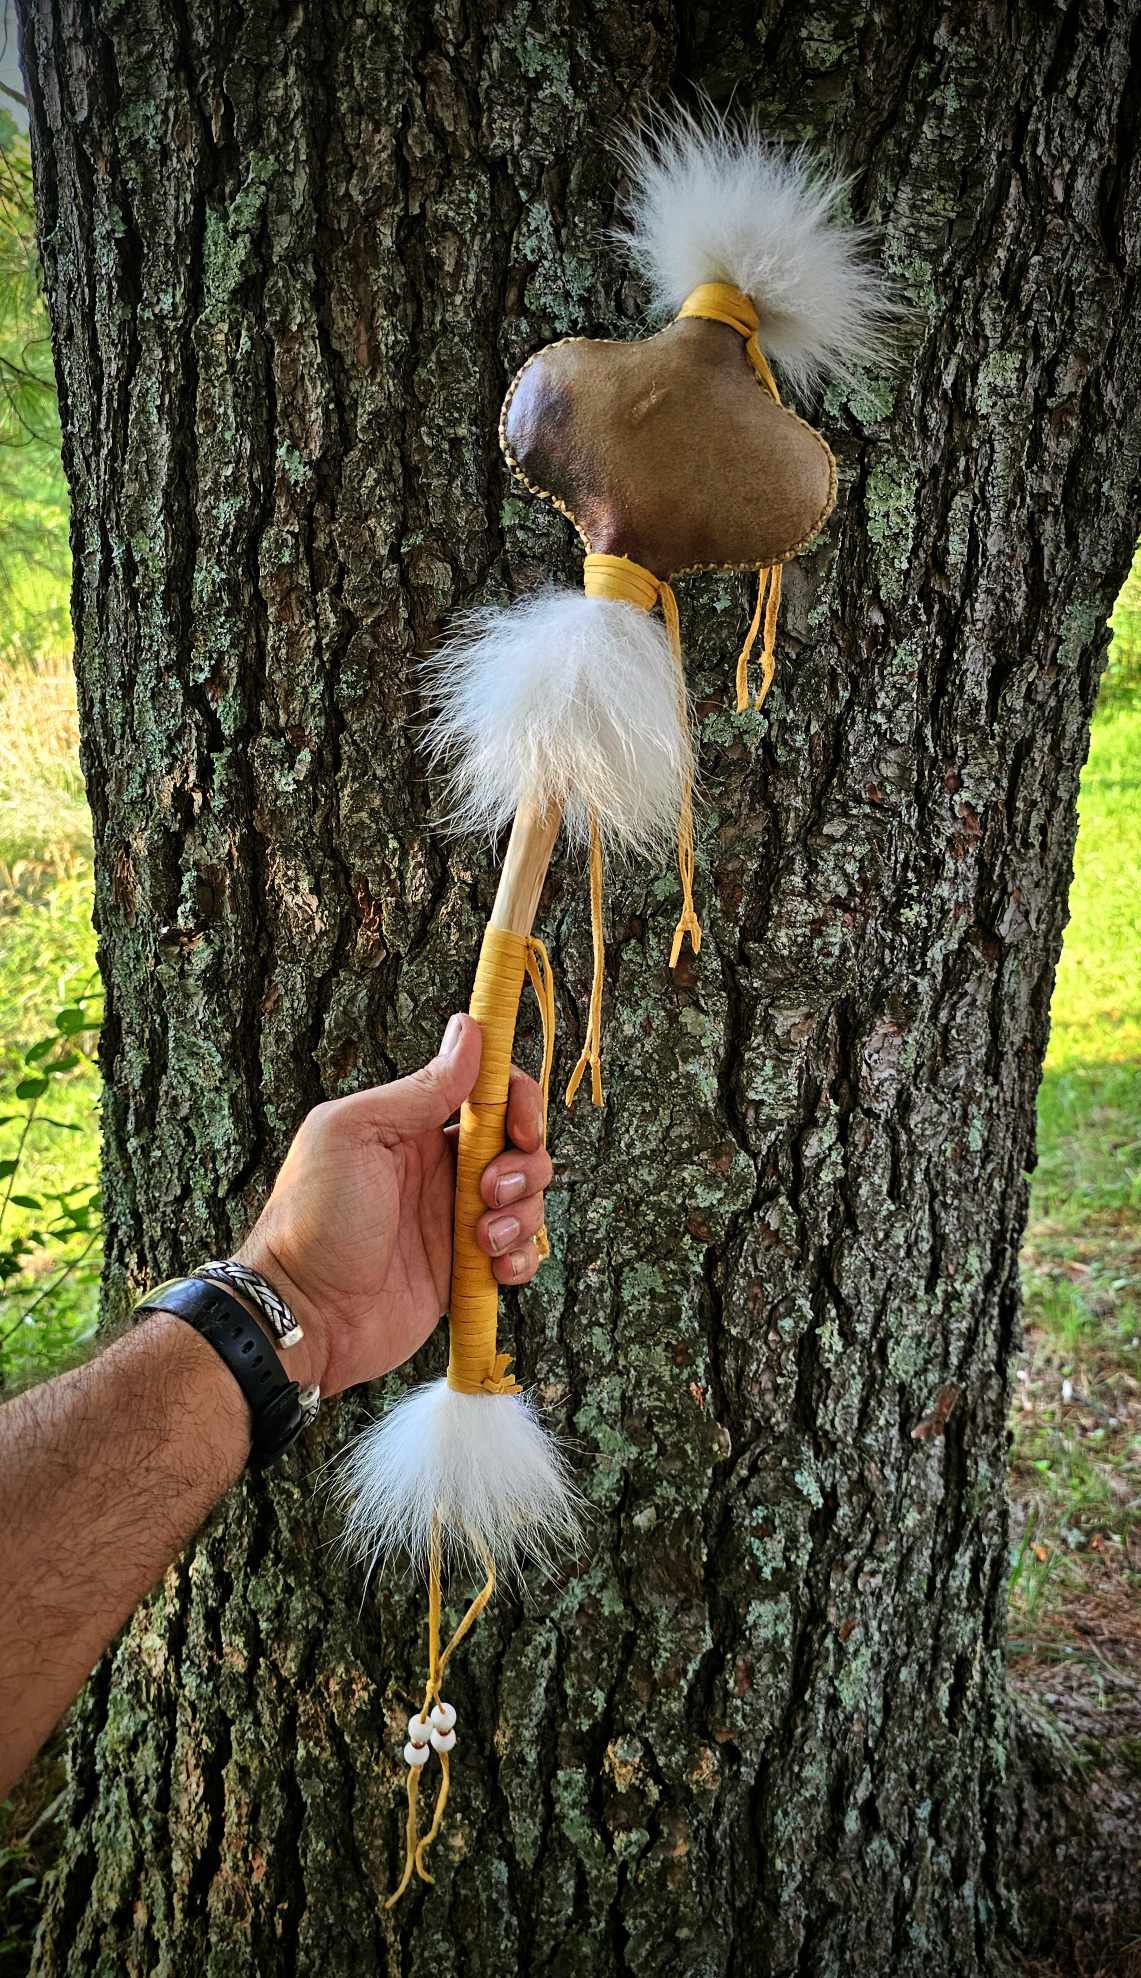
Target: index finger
x=524, y=1112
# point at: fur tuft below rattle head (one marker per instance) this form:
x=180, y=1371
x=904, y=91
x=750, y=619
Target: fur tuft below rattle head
x=712, y=202
x=561, y=700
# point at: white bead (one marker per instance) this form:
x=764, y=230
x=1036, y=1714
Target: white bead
x=443, y=1740
x=416, y=1754
x=419, y=1730
x=443, y=1717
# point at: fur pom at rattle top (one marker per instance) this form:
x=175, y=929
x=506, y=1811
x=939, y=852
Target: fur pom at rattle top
x=712, y=202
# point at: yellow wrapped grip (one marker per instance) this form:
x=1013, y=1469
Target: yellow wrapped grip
x=505, y=959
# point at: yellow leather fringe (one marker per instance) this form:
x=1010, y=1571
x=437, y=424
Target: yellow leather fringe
x=688, y=922
x=630, y=583
x=720, y=302
x=769, y=576
x=474, y=1365
x=414, y=1850
x=592, y=1047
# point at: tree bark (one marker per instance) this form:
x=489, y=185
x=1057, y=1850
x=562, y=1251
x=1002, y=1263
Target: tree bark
x=293, y=255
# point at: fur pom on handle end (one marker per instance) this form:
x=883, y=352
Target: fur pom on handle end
x=711, y=201
x=483, y=1465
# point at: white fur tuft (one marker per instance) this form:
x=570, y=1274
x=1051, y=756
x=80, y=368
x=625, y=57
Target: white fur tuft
x=482, y=1464
x=562, y=699
x=712, y=202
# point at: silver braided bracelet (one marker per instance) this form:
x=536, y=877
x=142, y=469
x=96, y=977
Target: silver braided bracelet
x=261, y=1295
x=273, y=1309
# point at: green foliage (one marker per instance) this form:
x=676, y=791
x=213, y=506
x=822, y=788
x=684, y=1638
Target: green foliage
x=49, y=1198
x=49, y=992
x=33, y=499
x=49, y=1012
x=29, y=1837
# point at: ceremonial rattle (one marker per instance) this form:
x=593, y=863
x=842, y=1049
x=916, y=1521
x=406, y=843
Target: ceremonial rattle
x=568, y=711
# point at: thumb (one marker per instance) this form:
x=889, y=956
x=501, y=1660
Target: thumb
x=427, y=1098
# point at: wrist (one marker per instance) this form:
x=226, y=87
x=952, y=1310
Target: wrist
x=307, y=1362
x=245, y=1343
x=201, y=1392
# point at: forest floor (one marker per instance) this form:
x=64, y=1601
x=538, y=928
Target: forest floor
x=1075, y=1626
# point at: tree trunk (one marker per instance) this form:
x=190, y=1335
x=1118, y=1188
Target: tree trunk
x=293, y=256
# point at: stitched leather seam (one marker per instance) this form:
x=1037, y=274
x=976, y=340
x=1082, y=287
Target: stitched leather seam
x=532, y=487
x=687, y=569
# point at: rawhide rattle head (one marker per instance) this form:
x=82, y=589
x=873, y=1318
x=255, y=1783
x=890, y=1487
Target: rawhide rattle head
x=674, y=450
x=671, y=450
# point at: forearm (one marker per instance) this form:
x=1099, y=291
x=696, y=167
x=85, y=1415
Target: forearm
x=104, y=1475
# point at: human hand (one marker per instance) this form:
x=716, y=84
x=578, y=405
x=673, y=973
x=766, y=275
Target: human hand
x=357, y=1232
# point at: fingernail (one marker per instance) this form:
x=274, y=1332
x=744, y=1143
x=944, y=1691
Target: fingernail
x=451, y=1036
x=502, y=1233
x=520, y=1261
x=509, y=1188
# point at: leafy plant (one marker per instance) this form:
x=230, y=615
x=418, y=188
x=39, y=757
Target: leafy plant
x=51, y=1251
x=29, y=1836
x=33, y=499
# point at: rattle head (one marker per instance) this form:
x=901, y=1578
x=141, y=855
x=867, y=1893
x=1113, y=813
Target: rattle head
x=674, y=450
x=668, y=450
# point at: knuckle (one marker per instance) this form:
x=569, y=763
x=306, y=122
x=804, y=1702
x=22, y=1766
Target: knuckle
x=432, y=1081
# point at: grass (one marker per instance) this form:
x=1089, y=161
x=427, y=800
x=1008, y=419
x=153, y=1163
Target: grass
x=1075, y=1626
x=1077, y=1413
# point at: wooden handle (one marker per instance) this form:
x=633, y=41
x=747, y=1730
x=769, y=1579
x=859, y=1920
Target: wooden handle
x=473, y=1365
x=529, y=851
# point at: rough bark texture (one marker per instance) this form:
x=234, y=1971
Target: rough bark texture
x=293, y=255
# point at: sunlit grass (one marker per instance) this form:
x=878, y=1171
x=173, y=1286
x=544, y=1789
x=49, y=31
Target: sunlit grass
x=1095, y=1014
x=1077, y=1414
x=45, y=825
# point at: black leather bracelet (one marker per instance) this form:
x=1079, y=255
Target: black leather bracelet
x=276, y=1414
